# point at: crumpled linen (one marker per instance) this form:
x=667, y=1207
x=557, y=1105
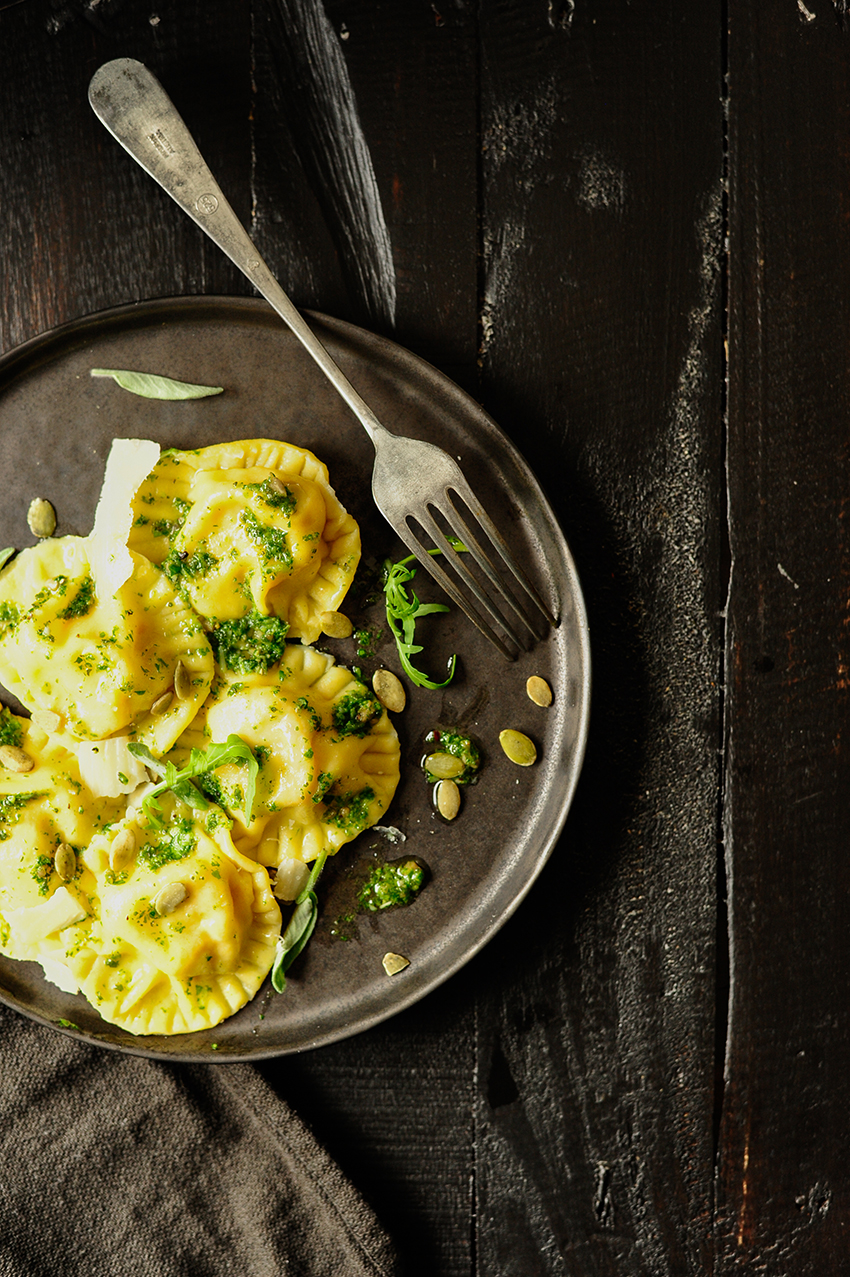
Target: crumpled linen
x=116, y=1164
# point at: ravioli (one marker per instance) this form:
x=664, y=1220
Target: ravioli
x=329, y=755
x=101, y=664
x=151, y=969
x=251, y=527
x=40, y=810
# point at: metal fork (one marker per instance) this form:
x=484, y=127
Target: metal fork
x=414, y=484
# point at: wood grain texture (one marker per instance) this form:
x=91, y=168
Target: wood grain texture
x=602, y=329
x=83, y=227
x=783, y=1180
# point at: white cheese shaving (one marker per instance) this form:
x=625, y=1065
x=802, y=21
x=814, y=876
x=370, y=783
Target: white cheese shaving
x=291, y=879
x=32, y=924
x=130, y=461
x=108, y=768
x=57, y=973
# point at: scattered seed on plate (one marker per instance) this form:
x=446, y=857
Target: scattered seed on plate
x=41, y=518
x=519, y=748
x=443, y=766
x=65, y=860
x=336, y=625
x=122, y=850
x=47, y=720
x=539, y=690
x=15, y=759
x=394, y=962
x=447, y=799
x=162, y=703
x=182, y=682
x=389, y=690
x=167, y=900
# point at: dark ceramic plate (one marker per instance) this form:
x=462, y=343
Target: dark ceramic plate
x=56, y=425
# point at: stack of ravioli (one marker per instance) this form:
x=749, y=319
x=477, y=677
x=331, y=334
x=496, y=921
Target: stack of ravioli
x=167, y=918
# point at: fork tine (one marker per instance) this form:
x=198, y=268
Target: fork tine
x=462, y=489
x=455, y=561
x=438, y=572
x=463, y=530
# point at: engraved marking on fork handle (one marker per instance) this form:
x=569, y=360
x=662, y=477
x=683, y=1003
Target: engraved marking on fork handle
x=206, y=204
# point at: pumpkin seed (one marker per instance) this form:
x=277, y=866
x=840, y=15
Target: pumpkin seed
x=443, y=766
x=539, y=690
x=15, y=759
x=162, y=703
x=122, y=850
x=47, y=720
x=65, y=861
x=394, y=962
x=275, y=486
x=41, y=518
x=519, y=748
x=167, y=900
x=335, y=625
x=182, y=682
x=447, y=799
x=389, y=690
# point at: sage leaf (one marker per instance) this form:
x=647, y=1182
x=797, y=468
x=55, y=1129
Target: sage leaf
x=151, y=386
x=299, y=928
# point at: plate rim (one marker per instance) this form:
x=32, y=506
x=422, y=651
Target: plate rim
x=29, y=354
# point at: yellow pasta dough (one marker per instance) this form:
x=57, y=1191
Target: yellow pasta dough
x=249, y=527
x=154, y=964
x=100, y=663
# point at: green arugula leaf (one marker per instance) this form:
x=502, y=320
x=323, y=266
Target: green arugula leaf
x=181, y=781
x=403, y=611
x=151, y=386
x=299, y=928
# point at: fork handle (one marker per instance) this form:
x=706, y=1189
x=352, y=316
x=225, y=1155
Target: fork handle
x=136, y=110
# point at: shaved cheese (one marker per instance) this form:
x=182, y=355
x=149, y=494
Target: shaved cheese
x=57, y=973
x=108, y=768
x=38, y=921
x=291, y=879
x=130, y=461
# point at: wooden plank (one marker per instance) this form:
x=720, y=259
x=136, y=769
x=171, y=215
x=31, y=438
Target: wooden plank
x=783, y=1182
x=82, y=227
x=602, y=224
x=388, y=78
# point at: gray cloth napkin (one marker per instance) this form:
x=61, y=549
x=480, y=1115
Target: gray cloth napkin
x=115, y=1164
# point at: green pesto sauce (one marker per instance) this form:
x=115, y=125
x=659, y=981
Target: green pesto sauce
x=11, y=806
x=249, y=644
x=40, y=873
x=350, y=811
x=10, y=614
x=285, y=501
x=175, y=842
x=11, y=731
x=271, y=542
x=398, y=882
x=180, y=566
x=82, y=602
x=356, y=713
x=367, y=640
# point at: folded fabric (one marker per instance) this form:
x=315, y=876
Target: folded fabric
x=115, y=1164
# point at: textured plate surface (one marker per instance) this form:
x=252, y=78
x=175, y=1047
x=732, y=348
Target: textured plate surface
x=56, y=426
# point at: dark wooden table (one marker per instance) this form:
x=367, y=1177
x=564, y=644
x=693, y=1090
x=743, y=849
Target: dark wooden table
x=625, y=227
